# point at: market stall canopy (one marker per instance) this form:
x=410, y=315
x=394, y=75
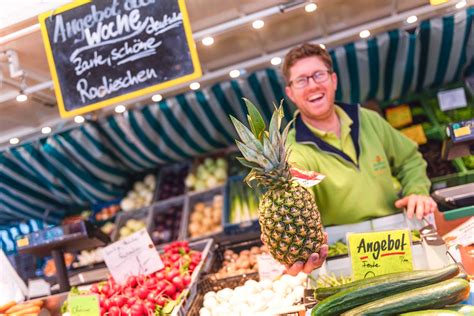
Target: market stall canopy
x=236, y=45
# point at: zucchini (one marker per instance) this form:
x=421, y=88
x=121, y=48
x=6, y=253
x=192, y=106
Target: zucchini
x=432, y=296
x=432, y=312
x=380, y=287
x=461, y=308
x=449, y=271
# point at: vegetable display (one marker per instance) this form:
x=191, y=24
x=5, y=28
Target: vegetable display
x=209, y=174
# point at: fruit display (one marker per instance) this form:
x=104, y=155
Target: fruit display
x=166, y=224
x=243, y=203
x=171, y=182
x=288, y=215
x=255, y=298
x=338, y=248
x=108, y=228
x=206, y=217
x=131, y=226
x=141, y=195
x=30, y=308
x=242, y=262
x=88, y=257
x=437, y=167
x=469, y=162
x=209, y=174
x=393, y=293
x=107, y=212
x=50, y=268
x=154, y=294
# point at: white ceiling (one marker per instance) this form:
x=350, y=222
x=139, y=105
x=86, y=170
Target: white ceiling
x=236, y=44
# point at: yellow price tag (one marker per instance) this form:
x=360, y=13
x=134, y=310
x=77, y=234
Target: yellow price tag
x=436, y=2
x=415, y=133
x=462, y=131
x=379, y=253
x=22, y=242
x=84, y=305
x=399, y=116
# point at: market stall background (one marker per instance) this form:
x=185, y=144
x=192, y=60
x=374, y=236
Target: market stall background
x=48, y=178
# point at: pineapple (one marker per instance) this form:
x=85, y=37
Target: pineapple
x=288, y=215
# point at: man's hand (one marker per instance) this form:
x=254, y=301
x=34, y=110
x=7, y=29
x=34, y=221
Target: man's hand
x=420, y=205
x=314, y=261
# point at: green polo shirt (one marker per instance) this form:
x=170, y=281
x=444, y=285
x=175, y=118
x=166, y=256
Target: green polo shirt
x=344, y=143
x=359, y=189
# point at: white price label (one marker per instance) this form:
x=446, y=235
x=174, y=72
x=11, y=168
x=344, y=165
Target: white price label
x=452, y=99
x=269, y=268
x=133, y=255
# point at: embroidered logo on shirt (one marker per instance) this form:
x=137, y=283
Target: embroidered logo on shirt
x=379, y=164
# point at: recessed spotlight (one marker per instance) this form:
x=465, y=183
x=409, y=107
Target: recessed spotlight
x=14, y=140
x=412, y=19
x=364, y=34
x=275, y=61
x=461, y=4
x=258, y=24
x=79, y=119
x=21, y=97
x=208, y=40
x=120, y=108
x=46, y=130
x=322, y=46
x=234, y=73
x=194, y=86
x=157, y=98
x=310, y=7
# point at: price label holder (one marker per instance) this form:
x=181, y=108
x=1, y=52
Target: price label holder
x=452, y=99
x=269, y=268
x=133, y=255
x=378, y=253
x=415, y=133
x=84, y=305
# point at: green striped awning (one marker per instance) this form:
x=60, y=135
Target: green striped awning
x=48, y=178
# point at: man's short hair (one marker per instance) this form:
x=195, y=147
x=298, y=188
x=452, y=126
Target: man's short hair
x=303, y=51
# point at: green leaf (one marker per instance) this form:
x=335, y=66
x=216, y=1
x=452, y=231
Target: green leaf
x=247, y=164
x=257, y=124
x=246, y=135
x=253, y=156
x=270, y=152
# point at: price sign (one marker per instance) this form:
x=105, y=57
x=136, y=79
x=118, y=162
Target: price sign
x=269, y=268
x=380, y=253
x=84, y=305
x=399, y=116
x=133, y=255
x=415, y=133
x=452, y=99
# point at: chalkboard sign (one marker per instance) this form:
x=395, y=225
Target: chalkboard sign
x=104, y=52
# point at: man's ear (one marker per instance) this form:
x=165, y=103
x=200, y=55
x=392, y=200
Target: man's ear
x=334, y=80
x=289, y=93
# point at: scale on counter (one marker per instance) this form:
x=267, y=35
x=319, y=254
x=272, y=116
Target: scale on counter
x=81, y=235
x=459, y=199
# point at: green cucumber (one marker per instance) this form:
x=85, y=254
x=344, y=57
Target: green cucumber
x=461, y=308
x=432, y=296
x=324, y=292
x=380, y=287
x=432, y=312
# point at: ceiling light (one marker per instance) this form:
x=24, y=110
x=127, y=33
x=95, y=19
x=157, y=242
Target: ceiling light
x=412, y=19
x=461, y=4
x=322, y=46
x=310, y=7
x=14, y=141
x=21, y=97
x=234, y=73
x=46, y=130
x=79, y=119
x=208, y=40
x=120, y=108
x=364, y=34
x=157, y=98
x=258, y=24
x=275, y=61
x=194, y=86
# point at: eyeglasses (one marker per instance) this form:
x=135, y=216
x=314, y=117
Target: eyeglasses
x=318, y=76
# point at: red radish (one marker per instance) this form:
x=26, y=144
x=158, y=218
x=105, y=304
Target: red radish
x=132, y=281
x=170, y=290
x=178, y=282
x=137, y=310
x=114, y=311
x=142, y=292
x=119, y=300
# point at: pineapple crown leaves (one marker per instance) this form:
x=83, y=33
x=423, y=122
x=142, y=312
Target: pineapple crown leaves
x=263, y=150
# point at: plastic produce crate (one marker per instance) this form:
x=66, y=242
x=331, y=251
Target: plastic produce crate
x=200, y=162
x=164, y=220
x=170, y=181
x=245, y=226
x=208, y=198
x=123, y=217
